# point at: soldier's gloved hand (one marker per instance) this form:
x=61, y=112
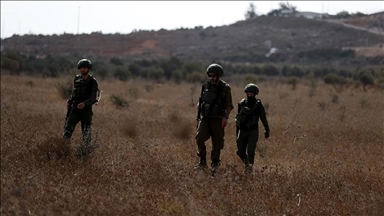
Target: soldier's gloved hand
x=224, y=122
x=68, y=102
x=80, y=106
x=266, y=134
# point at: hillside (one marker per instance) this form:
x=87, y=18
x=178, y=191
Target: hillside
x=243, y=41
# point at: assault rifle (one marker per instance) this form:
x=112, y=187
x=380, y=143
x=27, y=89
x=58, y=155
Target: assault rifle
x=70, y=102
x=236, y=119
x=199, y=108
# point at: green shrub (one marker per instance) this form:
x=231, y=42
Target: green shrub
x=119, y=102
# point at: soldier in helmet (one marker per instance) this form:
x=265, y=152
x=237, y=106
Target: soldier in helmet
x=214, y=107
x=80, y=103
x=250, y=110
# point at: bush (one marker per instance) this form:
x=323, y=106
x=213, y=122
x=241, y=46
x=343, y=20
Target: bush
x=155, y=73
x=365, y=77
x=270, y=70
x=116, y=61
x=119, y=102
x=195, y=77
x=250, y=78
x=121, y=74
x=293, y=81
x=331, y=78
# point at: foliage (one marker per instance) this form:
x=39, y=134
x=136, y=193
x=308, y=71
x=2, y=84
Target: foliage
x=134, y=69
x=169, y=66
x=342, y=14
x=121, y=73
x=287, y=6
x=173, y=68
x=331, y=78
x=195, y=77
x=250, y=13
x=116, y=61
x=293, y=81
x=282, y=7
x=292, y=71
x=153, y=73
x=102, y=73
x=250, y=78
x=270, y=70
x=335, y=80
x=326, y=54
x=119, y=101
x=365, y=77
x=190, y=67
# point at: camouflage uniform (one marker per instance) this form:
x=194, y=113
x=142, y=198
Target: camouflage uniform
x=84, y=91
x=215, y=99
x=250, y=110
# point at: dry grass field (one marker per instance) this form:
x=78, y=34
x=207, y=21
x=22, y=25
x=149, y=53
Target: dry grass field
x=325, y=155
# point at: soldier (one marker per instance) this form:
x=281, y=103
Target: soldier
x=80, y=103
x=250, y=110
x=215, y=105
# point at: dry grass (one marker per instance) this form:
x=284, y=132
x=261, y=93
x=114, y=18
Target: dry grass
x=318, y=161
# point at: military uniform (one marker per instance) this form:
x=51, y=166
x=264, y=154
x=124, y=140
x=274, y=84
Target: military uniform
x=250, y=110
x=84, y=91
x=215, y=98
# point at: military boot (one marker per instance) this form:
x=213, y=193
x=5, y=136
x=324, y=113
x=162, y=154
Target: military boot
x=248, y=168
x=215, y=166
x=202, y=164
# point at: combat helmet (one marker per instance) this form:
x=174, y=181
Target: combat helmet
x=215, y=68
x=84, y=63
x=253, y=88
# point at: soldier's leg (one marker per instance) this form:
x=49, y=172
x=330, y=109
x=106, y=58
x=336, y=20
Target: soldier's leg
x=217, y=140
x=202, y=135
x=70, y=125
x=241, y=143
x=86, y=121
x=252, y=142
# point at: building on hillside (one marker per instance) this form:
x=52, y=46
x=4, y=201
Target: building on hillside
x=287, y=12
x=312, y=15
x=304, y=14
x=307, y=15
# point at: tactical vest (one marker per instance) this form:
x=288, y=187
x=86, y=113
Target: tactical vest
x=82, y=88
x=247, y=117
x=212, y=100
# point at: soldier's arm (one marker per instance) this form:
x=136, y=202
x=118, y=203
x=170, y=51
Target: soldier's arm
x=91, y=100
x=263, y=118
x=228, y=102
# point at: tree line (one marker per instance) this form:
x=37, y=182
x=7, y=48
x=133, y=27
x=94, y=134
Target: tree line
x=174, y=69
